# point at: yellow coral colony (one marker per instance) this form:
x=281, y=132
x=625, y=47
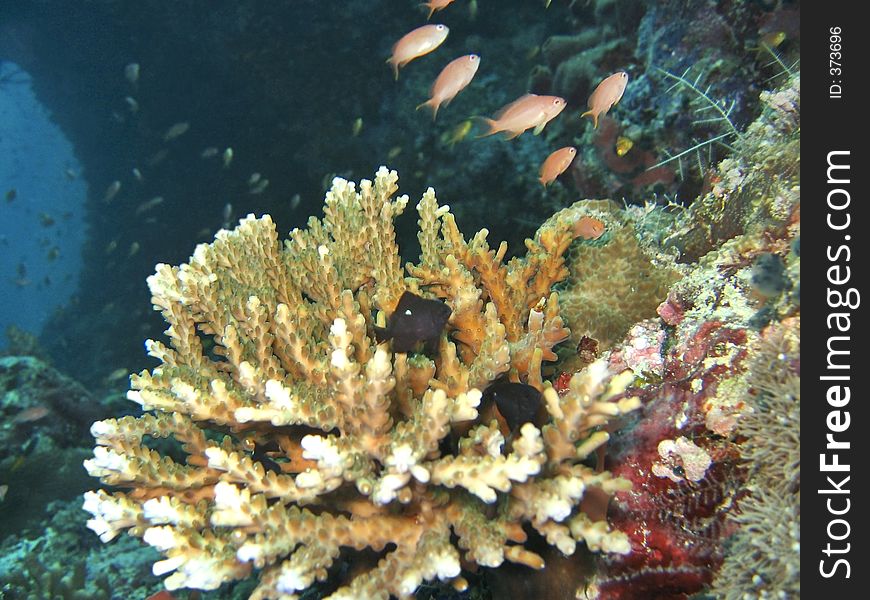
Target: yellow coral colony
x=304, y=437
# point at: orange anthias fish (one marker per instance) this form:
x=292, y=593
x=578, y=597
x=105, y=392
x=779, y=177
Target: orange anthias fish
x=526, y=112
x=453, y=78
x=436, y=5
x=415, y=44
x=606, y=95
x=556, y=164
x=588, y=228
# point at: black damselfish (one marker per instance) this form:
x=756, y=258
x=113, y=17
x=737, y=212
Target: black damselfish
x=415, y=320
x=518, y=403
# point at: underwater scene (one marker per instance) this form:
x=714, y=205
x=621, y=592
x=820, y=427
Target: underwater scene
x=372, y=299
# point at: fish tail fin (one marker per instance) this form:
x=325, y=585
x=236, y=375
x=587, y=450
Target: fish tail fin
x=489, y=123
x=390, y=61
x=594, y=118
x=432, y=105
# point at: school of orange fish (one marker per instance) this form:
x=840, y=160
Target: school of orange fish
x=530, y=111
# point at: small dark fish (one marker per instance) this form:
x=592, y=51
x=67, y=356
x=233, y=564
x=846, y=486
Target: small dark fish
x=415, y=320
x=11, y=194
x=518, y=403
x=259, y=453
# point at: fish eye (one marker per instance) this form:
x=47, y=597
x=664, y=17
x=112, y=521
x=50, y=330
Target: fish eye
x=473, y=57
x=439, y=27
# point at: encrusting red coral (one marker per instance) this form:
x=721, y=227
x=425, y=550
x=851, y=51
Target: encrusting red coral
x=675, y=520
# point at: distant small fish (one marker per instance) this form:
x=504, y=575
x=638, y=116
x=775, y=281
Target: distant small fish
x=253, y=179
x=472, y=10
x=176, y=130
x=134, y=249
x=415, y=320
x=28, y=415
x=227, y=215
x=526, y=112
x=357, y=127
x=209, y=152
x=227, y=158
x=458, y=133
x=46, y=220
x=116, y=375
x=4, y=489
x=149, y=204
x=606, y=95
x=416, y=43
x=70, y=174
x=771, y=40
x=588, y=228
x=394, y=152
x=556, y=164
x=11, y=194
x=131, y=72
x=111, y=246
x=53, y=253
x=518, y=403
x=294, y=201
x=623, y=145
x=112, y=191
x=260, y=187
x=138, y=175
x=326, y=181
x=436, y=5
x=453, y=79
x=158, y=157
x=132, y=104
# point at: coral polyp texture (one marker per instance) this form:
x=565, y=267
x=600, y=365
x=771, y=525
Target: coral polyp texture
x=278, y=433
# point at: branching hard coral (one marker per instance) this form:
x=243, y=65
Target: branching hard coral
x=303, y=437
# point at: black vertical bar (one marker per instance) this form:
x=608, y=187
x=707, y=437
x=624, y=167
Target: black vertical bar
x=834, y=420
